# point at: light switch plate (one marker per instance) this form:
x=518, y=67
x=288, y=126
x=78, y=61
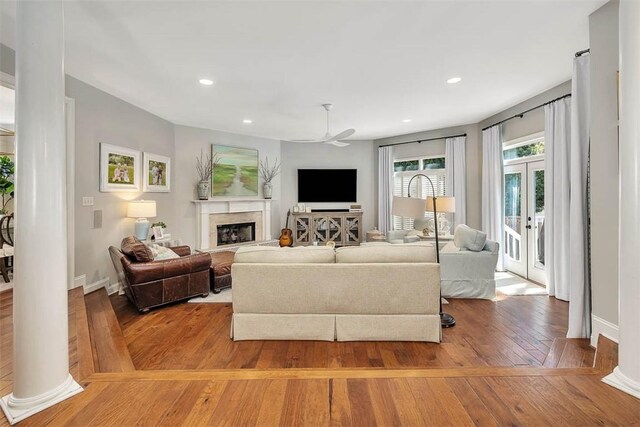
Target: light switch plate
x=87, y=201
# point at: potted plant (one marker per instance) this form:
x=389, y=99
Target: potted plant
x=204, y=166
x=267, y=173
x=7, y=169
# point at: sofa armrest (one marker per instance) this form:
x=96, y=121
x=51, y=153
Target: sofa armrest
x=144, y=272
x=182, y=250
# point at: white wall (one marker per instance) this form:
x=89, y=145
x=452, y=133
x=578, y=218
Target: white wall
x=359, y=155
x=101, y=117
x=188, y=142
x=473, y=159
x=603, y=38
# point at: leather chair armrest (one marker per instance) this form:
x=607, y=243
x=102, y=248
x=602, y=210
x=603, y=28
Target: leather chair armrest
x=144, y=272
x=182, y=250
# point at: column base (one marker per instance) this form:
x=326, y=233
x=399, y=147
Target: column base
x=17, y=409
x=620, y=381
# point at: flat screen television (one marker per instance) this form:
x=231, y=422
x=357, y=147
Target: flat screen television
x=327, y=185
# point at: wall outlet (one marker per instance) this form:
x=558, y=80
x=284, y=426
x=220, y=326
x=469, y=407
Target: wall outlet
x=97, y=219
x=87, y=201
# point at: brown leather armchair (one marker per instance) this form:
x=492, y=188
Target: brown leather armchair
x=150, y=284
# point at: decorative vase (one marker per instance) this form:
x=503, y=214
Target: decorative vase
x=267, y=190
x=203, y=190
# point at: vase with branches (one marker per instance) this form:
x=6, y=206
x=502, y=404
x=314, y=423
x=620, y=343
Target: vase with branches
x=268, y=173
x=204, y=166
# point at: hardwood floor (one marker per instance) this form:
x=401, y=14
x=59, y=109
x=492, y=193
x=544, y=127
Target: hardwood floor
x=514, y=331
x=329, y=384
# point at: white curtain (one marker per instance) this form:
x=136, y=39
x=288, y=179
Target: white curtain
x=493, y=189
x=456, y=180
x=557, y=139
x=579, y=285
x=385, y=188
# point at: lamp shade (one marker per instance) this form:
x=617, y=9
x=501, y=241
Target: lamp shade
x=443, y=204
x=410, y=207
x=142, y=209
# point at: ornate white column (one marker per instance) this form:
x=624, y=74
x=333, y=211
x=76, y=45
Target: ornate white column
x=626, y=376
x=40, y=321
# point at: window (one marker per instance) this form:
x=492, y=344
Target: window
x=528, y=146
x=404, y=170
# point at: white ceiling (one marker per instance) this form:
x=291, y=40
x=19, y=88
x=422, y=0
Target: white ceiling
x=277, y=62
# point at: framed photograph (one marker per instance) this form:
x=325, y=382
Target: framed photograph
x=158, y=233
x=237, y=172
x=156, y=170
x=119, y=169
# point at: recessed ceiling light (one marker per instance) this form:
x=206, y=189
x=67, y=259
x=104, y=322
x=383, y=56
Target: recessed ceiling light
x=407, y=120
x=247, y=121
x=206, y=82
x=454, y=80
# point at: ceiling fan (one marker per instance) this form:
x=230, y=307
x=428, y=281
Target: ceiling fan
x=328, y=138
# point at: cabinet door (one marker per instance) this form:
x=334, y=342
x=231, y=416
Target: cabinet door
x=302, y=231
x=320, y=229
x=334, y=229
x=352, y=229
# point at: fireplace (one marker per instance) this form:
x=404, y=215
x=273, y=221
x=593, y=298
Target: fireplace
x=232, y=234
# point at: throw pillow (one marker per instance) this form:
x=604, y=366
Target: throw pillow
x=160, y=253
x=135, y=250
x=468, y=238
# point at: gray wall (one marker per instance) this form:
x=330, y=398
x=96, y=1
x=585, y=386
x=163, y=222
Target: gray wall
x=359, y=155
x=101, y=117
x=188, y=142
x=473, y=158
x=603, y=38
x=531, y=122
x=7, y=60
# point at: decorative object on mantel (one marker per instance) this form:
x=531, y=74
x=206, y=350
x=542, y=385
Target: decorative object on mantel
x=267, y=173
x=142, y=209
x=237, y=171
x=205, y=166
x=156, y=173
x=7, y=169
x=119, y=169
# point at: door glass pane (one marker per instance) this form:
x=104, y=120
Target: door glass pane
x=538, y=219
x=512, y=214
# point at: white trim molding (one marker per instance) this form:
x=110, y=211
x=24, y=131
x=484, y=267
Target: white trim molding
x=102, y=283
x=620, y=381
x=599, y=326
x=80, y=281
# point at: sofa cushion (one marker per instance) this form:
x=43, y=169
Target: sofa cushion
x=135, y=250
x=275, y=255
x=424, y=252
x=468, y=238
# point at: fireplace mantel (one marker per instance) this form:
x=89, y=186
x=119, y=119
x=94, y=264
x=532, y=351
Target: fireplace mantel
x=204, y=208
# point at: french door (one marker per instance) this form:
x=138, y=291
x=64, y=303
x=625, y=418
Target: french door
x=524, y=219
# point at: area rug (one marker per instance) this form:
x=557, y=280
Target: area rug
x=512, y=285
x=224, y=297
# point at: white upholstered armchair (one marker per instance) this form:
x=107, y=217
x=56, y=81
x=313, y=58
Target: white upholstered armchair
x=467, y=273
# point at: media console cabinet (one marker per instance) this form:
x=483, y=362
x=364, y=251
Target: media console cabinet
x=343, y=228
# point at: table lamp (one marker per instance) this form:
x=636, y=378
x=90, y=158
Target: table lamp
x=142, y=209
x=445, y=205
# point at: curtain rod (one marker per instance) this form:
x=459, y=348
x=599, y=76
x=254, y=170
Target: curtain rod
x=582, y=52
x=422, y=140
x=520, y=115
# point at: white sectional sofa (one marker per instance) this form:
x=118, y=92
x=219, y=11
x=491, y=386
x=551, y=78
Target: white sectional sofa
x=363, y=293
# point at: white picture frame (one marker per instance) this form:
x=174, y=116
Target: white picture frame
x=156, y=172
x=119, y=169
x=158, y=233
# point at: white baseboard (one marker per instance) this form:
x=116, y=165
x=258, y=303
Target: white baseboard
x=620, y=381
x=79, y=281
x=112, y=288
x=102, y=283
x=599, y=326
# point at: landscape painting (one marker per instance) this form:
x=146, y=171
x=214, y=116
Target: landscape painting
x=119, y=168
x=237, y=172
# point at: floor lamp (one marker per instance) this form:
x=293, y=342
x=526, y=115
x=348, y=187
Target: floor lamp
x=415, y=208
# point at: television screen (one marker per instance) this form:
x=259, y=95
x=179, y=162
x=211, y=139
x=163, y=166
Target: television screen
x=327, y=185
